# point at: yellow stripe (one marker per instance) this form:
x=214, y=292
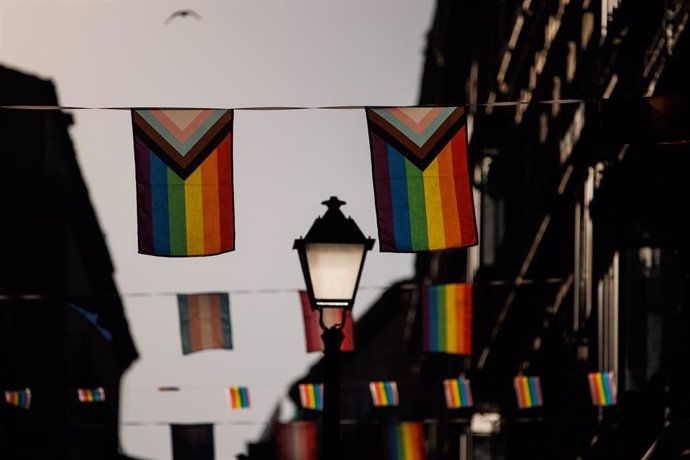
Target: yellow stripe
x=451, y=319
x=407, y=441
x=311, y=392
x=434, y=210
x=194, y=213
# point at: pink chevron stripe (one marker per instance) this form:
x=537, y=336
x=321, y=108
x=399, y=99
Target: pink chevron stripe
x=417, y=126
x=181, y=135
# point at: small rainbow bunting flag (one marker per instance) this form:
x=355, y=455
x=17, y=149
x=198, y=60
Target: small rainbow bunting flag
x=421, y=181
x=405, y=441
x=447, y=318
x=528, y=392
x=311, y=395
x=602, y=387
x=458, y=393
x=204, y=321
x=312, y=329
x=296, y=441
x=19, y=398
x=89, y=395
x=384, y=393
x=183, y=160
x=238, y=397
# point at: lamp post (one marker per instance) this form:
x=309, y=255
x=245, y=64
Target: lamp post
x=332, y=256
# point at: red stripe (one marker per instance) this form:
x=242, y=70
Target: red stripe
x=462, y=188
x=225, y=195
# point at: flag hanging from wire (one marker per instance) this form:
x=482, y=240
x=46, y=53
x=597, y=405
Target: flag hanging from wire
x=19, y=398
x=602, y=387
x=91, y=395
x=296, y=441
x=204, y=321
x=192, y=442
x=447, y=318
x=421, y=180
x=458, y=393
x=312, y=329
x=384, y=393
x=528, y=392
x=183, y=162
x=311, y=395
x=238, y=397
x=405, y=441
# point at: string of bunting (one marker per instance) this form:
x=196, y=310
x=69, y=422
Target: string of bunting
x=457, y=393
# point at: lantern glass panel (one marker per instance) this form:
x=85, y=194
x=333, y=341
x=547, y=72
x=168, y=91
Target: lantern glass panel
x=334, y=270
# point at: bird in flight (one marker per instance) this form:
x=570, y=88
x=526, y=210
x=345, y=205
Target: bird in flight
x=183, y=14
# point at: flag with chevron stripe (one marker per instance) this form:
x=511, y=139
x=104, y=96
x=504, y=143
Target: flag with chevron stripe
x=421, y=179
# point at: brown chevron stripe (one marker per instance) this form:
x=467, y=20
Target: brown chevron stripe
x=424, y=155
x=183, y=165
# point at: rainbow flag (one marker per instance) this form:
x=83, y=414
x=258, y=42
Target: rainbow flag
x=384, y=393
x=19, y=398
x=312, y=329
x=89, y=395
x=204, y=321
x=296, y=441
x=602, y=387
x=458, y=393
x=421, y=180
x=238, y=397
x=528, y=392
x=405, y=441
x=183, y=160
x=447, y=318
x=311, y=395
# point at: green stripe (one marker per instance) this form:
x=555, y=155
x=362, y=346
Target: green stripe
x=415, y=198
x=178, y=224
x=442, y=320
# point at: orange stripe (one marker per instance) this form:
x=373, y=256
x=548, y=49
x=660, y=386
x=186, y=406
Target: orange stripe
x=451, y=220
x=210, y=203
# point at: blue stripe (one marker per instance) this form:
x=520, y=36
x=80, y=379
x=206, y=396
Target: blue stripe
x=389, y=393
x=433, y=319
x=534, y=394
x=607, y=389
x=393, y=443
x=244, y=397
x=159, y=205
x=225, y=320
x=463, y=394
x=401, y=207
x=183, y=308
x=318, y=397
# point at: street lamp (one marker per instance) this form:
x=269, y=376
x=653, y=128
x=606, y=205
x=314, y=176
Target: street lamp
x=332, y=256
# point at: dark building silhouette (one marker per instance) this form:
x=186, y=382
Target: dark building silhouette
x=62, y=325
x=583, y=261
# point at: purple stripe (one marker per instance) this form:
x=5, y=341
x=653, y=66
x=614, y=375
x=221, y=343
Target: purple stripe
x=143, y=178
x=382, y=191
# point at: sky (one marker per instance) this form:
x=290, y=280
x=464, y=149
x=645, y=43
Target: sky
x=258, y=53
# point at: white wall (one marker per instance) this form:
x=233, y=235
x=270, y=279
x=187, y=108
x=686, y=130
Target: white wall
x=242, y=54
